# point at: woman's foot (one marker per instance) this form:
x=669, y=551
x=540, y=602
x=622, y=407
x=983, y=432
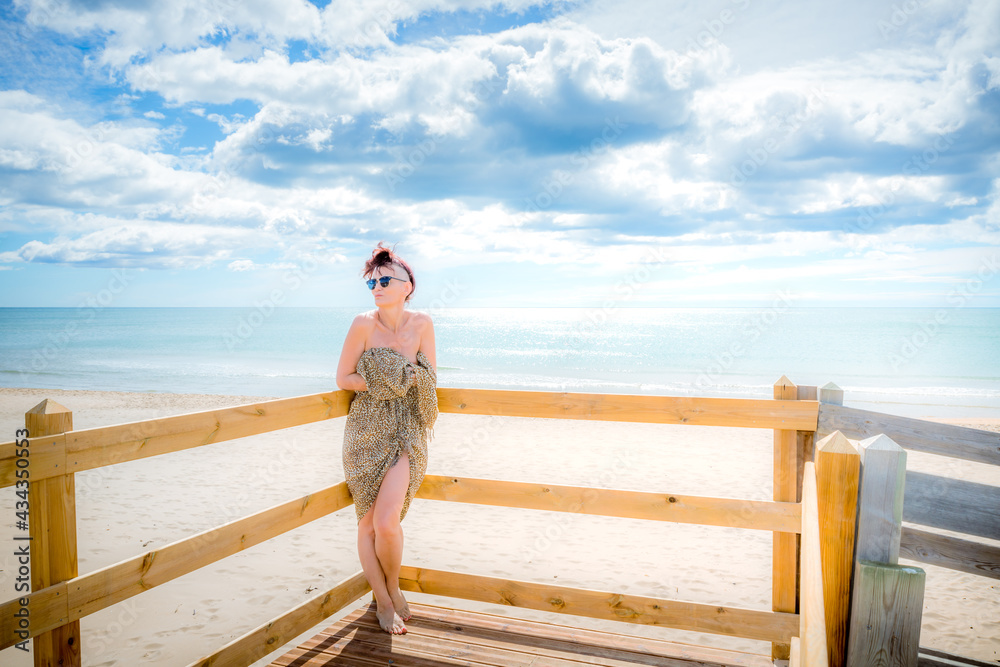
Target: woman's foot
x=399, y=604
x=390, y=621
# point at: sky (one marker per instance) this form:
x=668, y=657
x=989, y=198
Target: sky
x=517, y=153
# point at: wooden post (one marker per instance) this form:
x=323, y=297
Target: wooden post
x=831, y=393
x=886, y=600
x=785, y=557
x=805, y=439
x=814, y=650
x=890, y=600
x=838, y=469
x=880, y=503
x=52, y=527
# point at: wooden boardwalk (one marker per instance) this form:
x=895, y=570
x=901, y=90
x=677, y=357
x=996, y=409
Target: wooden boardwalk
x=440, y=636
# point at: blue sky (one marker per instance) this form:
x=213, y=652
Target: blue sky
x=520, y=153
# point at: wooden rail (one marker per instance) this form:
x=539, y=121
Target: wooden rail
x=810, y=501
x=108, y=445
x=733, y=512
x=605, y=605
x=918, y=435
x=265, y=639
x=69, y=601
x=690, y=410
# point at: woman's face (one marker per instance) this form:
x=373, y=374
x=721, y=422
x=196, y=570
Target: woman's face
x=396, y=290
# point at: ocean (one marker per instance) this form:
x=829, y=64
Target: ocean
x=907, y=361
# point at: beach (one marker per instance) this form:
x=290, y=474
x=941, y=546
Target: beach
x=127, y=509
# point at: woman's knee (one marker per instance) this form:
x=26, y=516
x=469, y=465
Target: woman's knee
x=386, y=521
x=366, y=527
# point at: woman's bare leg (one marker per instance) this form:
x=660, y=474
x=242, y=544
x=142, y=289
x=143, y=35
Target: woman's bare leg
x=389, y=533
x=386, y=614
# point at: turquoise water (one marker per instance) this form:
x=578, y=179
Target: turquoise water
x=909, y=361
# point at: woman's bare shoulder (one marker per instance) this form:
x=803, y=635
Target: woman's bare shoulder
x=363, y=323
x=421, y=318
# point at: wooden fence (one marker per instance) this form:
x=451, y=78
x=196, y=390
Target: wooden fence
x=808, y=619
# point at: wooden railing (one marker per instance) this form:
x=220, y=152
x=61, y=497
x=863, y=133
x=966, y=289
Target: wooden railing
x=57, y=452
x=936, y=501
x=810, y=647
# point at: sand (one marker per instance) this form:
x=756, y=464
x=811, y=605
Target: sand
x=129, y=508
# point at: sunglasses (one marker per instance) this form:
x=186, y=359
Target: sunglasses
x=383, y=281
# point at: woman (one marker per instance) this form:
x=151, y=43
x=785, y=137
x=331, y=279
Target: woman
x=389, y=360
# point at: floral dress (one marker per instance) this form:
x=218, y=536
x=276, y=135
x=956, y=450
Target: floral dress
x=395, y=415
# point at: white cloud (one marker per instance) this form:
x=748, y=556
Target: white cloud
x=822, y=132
x=242, y=265
x=140, y=244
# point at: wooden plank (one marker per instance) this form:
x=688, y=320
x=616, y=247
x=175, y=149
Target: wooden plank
x=271, y=636
x=100, y=589
x=692, y=410
x=804, y=440
x=838, y=471
x=48, y=458
x=739, y=513
x=550, y=640
x=952, y=504
x=51, y=604
x=812, y=617
x=784, y=563
x=891, y=601
x=487, y=639
x=52, y=528
x=731, y=621
x=880, y=500
x=930, y=657
x=918, y=435
x=951, y=552
x=107, y=445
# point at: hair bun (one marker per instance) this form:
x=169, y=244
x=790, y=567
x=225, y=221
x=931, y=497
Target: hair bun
x=383, y=256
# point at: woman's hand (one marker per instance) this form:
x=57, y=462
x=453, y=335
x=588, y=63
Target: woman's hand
x=353, y=382
x=354, y=347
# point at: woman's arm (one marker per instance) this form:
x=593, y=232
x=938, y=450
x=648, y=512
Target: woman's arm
x=427, y=343
x=354, y=347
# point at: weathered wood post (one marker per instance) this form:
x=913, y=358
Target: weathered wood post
x=805, y=439
x=813, y=649
x=52, y=527
x=832, y=394
x=887, y=599
x=784, y=559
x=838, y=470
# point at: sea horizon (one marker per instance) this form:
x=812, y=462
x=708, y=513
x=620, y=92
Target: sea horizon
x=912, y=361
